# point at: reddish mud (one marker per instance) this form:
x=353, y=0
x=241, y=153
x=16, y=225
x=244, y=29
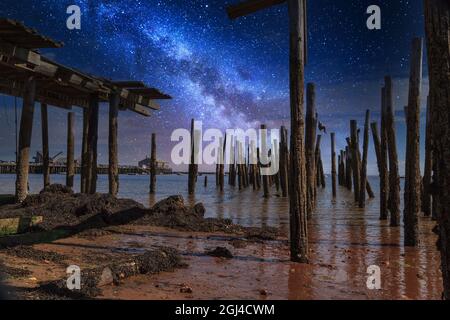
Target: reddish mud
x=344, y=242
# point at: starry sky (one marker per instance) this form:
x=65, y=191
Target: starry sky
x=229, y=74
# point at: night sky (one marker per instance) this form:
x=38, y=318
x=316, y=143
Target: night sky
x=230, y=74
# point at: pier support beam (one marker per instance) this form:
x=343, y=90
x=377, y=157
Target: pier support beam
x=45, y=147
x=356, y=165
x=113, y=169
x=297, y=192
x=348, y=168
x=26, y=127
x=394, y=179
x=333, y=164
x=426, y=194
x=283, y=162
x=437, y=24
x=70, y=172
x=91, y=178
x=84, y=152
x=192, y=166
x=310, y=141
x=412, y=192
x=153, y=166
x=265, y=178
x=383, y=169
x=363, y=180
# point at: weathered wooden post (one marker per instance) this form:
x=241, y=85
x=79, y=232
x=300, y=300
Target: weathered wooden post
x=317, y=169
x=384, y=173
x=70, y=149
x=348, y=167
x=363, y=180
x=221, y=162
x=239, y=165
x=113, y=169
x=153, y=165
x=339, y=168
x=45, y=147
x=412, y=192
x=283, y=162
x=26, y=127
x=91, y=182
x=231, y=164
x=394, y=179
x=426, y=194
x=354, y=145
x=437, y=24
x=333, y=164
x=321, y=176
x=297, y=173
x=381, y=171
x=265, y=178
x=310, y=141
x=192, y=171
x=342, y=168
x=84, y=152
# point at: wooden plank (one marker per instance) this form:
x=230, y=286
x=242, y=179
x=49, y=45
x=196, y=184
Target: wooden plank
x=251, y=6
x=129, y=84
x=21, y=54
x=16, y=32
x=141, y=110
x=151, y=93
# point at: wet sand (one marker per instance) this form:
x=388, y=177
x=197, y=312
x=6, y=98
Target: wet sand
x=344, y=242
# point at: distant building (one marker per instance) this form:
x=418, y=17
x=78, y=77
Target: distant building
x=162, y=167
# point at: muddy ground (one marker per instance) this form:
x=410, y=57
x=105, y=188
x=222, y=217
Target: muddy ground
x=35, y=272
x=215, y=259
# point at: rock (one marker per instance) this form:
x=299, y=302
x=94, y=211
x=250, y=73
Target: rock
x=263, y=292
x=186, y=289
x=220, y=252
x=199, y=209
x=169, y=205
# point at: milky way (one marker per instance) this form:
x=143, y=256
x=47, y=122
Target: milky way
x=226, y=73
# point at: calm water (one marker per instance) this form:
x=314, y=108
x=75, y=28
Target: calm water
x=246, y=207
x=344, y=241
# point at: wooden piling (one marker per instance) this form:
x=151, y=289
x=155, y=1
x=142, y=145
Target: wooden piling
x=363, y=179
x=265, y=177
x=283, y=162
x=297, y=191
x=26, y=127
x=206, y=181
x=321, y=175
x=223, y=143
x=394, y=179
x=426, y=194
x=381, y=171
x=45, y=146
x=92, y=144
x=354, y=145
x=412, y=194
x=437, y=25
x=153, y=165
x=384, y=173
x=113, y=169
x=348, y=167
x=70, y=174
x=310, y=141
x=333, y=164
x=84, y=152
x=192, y=170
